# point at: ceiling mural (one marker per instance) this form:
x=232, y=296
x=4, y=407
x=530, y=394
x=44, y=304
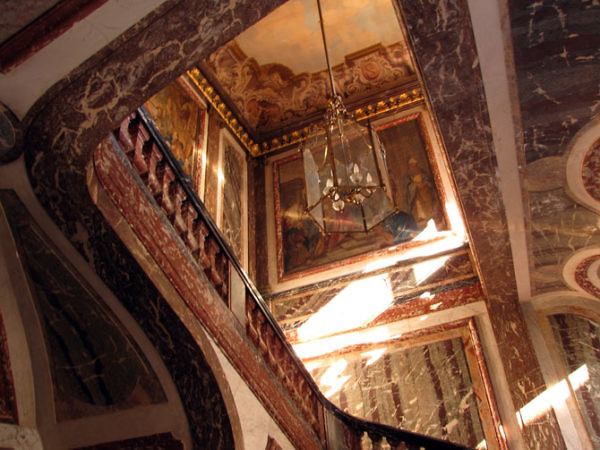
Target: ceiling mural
x=290, y=35
x=274, y=73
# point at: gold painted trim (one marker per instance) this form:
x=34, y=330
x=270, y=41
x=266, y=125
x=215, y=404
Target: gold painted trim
x=411, y=97
x=226, y=114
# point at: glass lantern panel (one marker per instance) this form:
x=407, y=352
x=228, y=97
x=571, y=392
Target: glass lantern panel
x=377, y=208
x=381, y=159
x=316, y=212
x=354, y=156
x=317, y=172
x=348, y=219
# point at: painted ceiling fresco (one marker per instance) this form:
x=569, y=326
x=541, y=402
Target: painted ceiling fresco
x=274, y=74
x=290, y=35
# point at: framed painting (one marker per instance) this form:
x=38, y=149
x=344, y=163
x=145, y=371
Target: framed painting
x=414, y=184
x=181, y=117
x=232, y=198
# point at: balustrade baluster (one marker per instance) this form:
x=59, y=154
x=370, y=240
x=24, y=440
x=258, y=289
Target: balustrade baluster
x=126, y=134
x=179, y=200
x=376, y=440
x=156, y=167
x=202, y=235
x=212, y=249
x=222, y=266
x=353, y=438
x=396, y=445
x=189, y=215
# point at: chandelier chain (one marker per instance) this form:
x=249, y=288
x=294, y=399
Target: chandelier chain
x=322, y=24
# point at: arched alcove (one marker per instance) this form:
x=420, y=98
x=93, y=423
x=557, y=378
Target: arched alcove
x=93, y=376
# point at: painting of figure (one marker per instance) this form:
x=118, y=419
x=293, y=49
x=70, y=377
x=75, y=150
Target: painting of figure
x=180, y=118
x=301, y=244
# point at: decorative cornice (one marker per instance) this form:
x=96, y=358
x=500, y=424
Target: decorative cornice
x=224, y=111
x=411, y=97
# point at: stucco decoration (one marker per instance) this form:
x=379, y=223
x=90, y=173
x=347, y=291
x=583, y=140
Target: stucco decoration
x=546, y=174
x=583, y=166
x=19, y=438
x=591, y=170
x=274, y=73
x=271, y=97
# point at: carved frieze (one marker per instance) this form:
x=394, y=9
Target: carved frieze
x=271, y=96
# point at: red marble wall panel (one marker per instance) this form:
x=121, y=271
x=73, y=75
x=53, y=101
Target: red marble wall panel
x=591, y=171
x=408, y=280
x=582, y=276
x=431, y=303
x=430, y=381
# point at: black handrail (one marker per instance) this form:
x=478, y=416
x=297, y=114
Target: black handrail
x=359, y=425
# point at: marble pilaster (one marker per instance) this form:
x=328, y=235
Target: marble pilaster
x=445, y=51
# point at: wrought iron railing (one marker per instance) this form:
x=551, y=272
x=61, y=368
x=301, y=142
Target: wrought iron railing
x=139, y=139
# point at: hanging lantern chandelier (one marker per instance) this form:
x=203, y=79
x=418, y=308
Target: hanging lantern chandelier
x=347, y=185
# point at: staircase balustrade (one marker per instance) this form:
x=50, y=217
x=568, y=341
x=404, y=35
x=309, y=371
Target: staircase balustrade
x=139, y=139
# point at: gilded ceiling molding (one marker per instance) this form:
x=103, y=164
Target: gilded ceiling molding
x=412, y=97
x=223, y=110
x=409, y=98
